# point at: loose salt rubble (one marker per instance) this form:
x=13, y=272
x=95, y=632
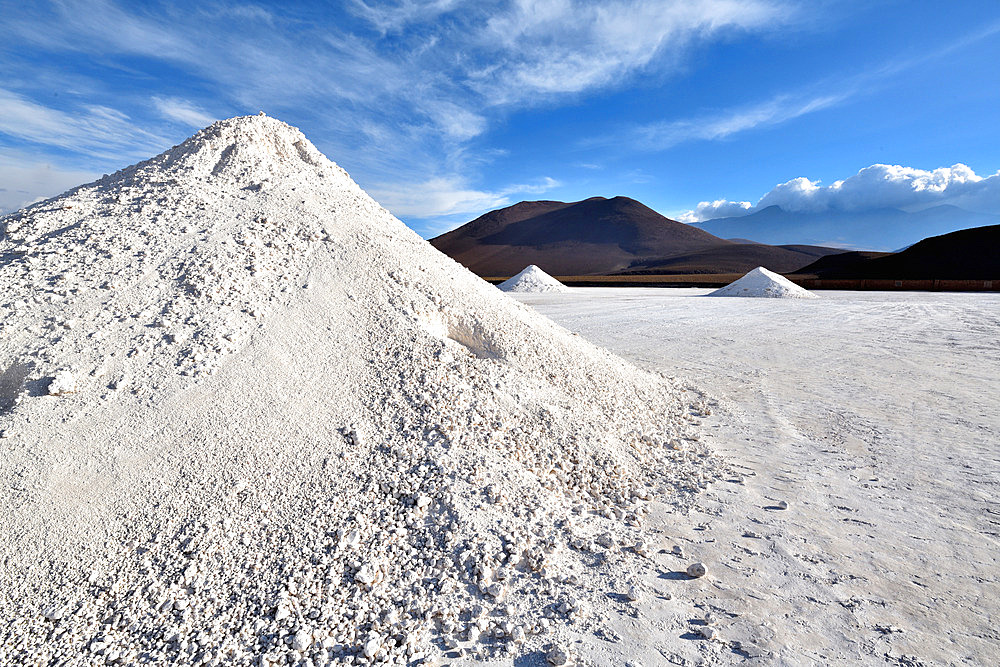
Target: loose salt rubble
x=763, y=283
x=532, y=279
x=393, y=461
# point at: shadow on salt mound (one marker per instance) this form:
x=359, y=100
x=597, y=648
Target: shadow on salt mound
x=762, y=283
x=532, y=279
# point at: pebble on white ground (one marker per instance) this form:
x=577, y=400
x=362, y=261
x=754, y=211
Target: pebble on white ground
x=696, y=570
x=764, y=284
x=532, y=279
x=557, y=656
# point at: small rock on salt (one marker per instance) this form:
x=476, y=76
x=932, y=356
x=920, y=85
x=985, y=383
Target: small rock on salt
x=557, y=656
x=696, y=570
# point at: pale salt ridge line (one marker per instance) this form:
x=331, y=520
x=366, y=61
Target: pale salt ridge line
x=297, y=433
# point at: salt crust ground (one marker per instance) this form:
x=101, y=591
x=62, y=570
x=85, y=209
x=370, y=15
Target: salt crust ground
x=532, y=279
x=248, y=417
x=762, y=283
x=875, y=417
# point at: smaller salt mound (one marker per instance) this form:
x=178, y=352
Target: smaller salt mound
x=532, y=279
x=763, y=283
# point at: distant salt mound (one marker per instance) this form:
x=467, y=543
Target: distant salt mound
x=532, y=279
x=249, y=417
x=763, y=283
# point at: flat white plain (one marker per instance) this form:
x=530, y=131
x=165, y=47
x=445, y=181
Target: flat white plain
x=875, y=417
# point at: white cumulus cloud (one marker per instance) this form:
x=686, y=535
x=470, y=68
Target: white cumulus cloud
x=876, y=187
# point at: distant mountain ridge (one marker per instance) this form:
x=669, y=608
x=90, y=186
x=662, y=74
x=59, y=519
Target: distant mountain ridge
x=882, y=230
x=599, y=236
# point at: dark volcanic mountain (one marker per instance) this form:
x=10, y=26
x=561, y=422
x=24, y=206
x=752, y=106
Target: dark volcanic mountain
x=969, y=254
x=599, y=236
x=589, y=237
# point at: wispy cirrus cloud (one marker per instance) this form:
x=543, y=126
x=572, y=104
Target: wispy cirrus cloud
x=553, y=47
x=96, y=130
x=182, y=111
x=398, y=89
x=663, y=135
x=447, y=196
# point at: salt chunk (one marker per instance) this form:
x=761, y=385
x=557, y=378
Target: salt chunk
x=366, y=575
x=54, y=613
x=302, y=640
x=64, y=382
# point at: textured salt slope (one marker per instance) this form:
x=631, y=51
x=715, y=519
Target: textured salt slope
x=763, y=283
x=532, y=279
x=283, y=428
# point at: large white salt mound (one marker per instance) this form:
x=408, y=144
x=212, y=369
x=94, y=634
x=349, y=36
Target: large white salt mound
x=297, y=433
x=763, y=283
x=532, y=279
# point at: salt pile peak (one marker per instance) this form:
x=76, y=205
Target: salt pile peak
x=296, y=433
x=532, y=279
x=763, y=283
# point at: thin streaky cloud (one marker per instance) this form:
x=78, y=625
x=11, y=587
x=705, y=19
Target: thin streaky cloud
x=664, y=135
x=97, y=131
x=449, y=196
x=182, y=111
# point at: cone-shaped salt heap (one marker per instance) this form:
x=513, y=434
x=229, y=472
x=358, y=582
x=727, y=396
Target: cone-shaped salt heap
x=249, y=417
x=532, y=279
x=763, y=283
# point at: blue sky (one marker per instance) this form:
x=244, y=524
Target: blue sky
x=447, y=108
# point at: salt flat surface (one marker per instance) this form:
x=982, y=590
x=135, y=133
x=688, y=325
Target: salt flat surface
x=875, y=416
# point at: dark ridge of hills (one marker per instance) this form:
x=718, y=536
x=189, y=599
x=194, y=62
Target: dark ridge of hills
x=836, y=263
x=591, y=237
x=738, y=258
x=968, y=254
